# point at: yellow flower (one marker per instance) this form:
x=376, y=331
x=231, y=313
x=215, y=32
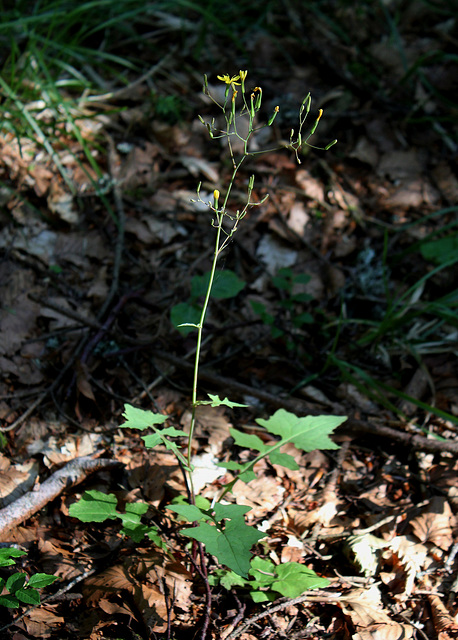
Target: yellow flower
x=228, y=80
x=243, y=75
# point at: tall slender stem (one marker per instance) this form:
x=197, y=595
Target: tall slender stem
x=219, y=246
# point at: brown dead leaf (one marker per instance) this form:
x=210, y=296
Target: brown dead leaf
x=445, y=624
x=18, y=314
x=42, y=622
x=372, y=622
x=435, y=524
x=16, y=479
x=409, y=557
x=311, y=187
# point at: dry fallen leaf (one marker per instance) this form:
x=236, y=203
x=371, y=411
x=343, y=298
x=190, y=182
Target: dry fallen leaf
x=435, y=524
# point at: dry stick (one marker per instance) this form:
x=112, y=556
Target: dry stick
x=68, y=313
x=306, y=597
x=73, y=473
x=352, y=425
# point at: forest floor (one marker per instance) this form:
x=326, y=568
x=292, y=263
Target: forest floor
x=346, y=306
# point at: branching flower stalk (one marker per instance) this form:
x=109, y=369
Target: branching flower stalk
x=221, y=215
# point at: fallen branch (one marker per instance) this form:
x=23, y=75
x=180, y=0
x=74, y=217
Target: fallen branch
x=73, y=473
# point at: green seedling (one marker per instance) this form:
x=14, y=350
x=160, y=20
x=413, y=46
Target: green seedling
x=18, y=590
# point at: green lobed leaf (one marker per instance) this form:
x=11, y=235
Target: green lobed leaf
x=189, y=511
x=140, y=418
x=229, y=543
x=295, y=578
x=215, y=401
x=283, y=459
x=136, y=531
x=161, y=437
x=263, y=572
x=307, y=433
x=248, y=440
x=95, y=506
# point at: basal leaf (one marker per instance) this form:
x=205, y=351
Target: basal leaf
x=140, y=418
x=294, y=579
x=189, y=511
x=263, y=572
x=95, y=506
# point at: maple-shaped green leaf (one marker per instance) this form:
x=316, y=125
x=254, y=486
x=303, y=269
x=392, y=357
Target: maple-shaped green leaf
x=307, y=433
x=227, y=579
x=95, y=506
x=294, y=579
x=140, y=418
x=229, y=540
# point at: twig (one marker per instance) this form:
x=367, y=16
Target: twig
x=306, y=597
x=73, y=473
x=68, y=313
